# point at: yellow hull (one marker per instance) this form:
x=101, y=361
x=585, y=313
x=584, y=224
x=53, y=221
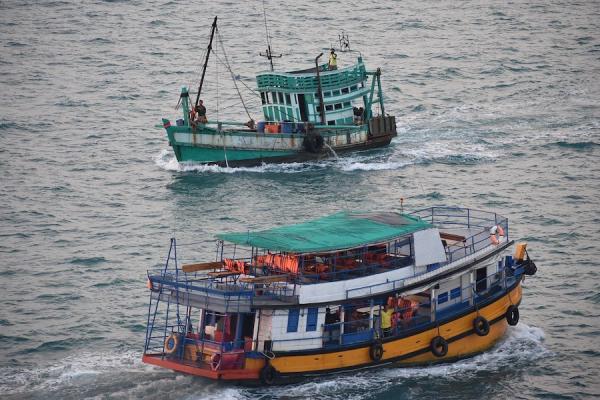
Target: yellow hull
x=414, y=349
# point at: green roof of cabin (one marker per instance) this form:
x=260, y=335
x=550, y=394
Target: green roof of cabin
x=343, y=230
x=307, y=82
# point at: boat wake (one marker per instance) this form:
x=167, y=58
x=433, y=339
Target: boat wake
x=124, y=375
x=401, y=156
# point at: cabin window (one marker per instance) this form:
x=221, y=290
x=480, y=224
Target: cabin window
x=335, y=92
x=318, y=108
x=311, y=319
x=262, y=97
x=328, y=107
x=353, y=88
x=338, y=106
x=288, y=99
x=345, y=90
x=280, y=98
x=293, y=316
x=347, y=104
x=442, y=298
x=455, y=293
x=331, y=122
x=274, y=95
x=327, y=94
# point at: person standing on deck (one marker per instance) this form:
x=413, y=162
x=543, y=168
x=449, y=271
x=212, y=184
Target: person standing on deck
x=332, y=60
x=201, y=113
x=386, y=320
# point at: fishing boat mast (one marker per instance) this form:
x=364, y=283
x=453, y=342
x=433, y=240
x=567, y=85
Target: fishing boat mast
x=208, y=50
x=268, y=53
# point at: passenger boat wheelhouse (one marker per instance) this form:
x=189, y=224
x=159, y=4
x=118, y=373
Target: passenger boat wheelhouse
x=347, y=291
x=307, y=114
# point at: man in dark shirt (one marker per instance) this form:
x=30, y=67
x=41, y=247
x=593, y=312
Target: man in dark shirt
x=201, y=113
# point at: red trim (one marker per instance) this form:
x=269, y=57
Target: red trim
x=231, y=374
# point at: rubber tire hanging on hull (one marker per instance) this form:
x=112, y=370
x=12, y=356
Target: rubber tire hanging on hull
x=376, y=351
x=481, y=326
x=439, y=346
x=313, y=143
x=268, y=374
x=512, y=315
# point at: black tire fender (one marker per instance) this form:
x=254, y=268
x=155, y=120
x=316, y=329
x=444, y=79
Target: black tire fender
x=481, y=326
x=512, y=315
x=439, y=346
x=268, y=374
x=376, y=351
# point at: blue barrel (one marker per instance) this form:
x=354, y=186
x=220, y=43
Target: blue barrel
x=286, y=127
x=260, y=126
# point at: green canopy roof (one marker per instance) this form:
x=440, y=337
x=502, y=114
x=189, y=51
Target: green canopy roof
x=343, y=230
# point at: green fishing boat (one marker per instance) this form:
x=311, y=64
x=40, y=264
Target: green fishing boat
x=308, y=114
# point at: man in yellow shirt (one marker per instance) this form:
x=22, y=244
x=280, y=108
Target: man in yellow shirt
x=386, y=320
x=332, y=60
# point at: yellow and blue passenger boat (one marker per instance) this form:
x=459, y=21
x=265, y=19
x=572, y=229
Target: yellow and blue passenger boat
x=343, y=292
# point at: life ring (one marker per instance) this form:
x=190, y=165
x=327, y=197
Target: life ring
x=481, y=326
x=268, y=374
x=439, y=346
x=215, y=361
x=171, y=343
x=376, y=351
x=512, y=315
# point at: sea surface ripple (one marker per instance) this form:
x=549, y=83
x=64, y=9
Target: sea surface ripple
x=497, y=108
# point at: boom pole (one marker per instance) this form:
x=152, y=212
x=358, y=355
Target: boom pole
x=212, y=34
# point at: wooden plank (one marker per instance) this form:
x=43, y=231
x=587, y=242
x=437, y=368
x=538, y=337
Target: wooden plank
x=264, y=279
x=452, y=236
x=201, y=266
x=222, y=274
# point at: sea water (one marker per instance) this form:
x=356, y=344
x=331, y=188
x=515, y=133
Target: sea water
x=497, y=109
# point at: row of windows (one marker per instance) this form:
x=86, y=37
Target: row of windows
x=275, y=98
x=443, y=297
x=285, y=98
x=336, y=106
x=342, y=91
x=311, y=319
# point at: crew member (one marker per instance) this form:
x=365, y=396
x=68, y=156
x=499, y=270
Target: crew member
x=332, y=60
x=386, y=320
x=201, y=113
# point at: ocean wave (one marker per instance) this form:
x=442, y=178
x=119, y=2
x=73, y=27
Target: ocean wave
x=355, y=162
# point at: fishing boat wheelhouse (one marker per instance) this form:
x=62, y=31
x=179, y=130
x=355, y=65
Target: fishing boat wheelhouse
x=347, y=291
x=308, y=114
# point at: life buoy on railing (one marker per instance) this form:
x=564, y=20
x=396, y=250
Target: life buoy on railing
x=496, y=229
x=215, y=361
x=481, y=326
x=439, y=346
x=171, y=343
x=376, y=351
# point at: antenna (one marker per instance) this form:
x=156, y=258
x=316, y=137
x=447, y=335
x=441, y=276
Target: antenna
x=268, y=52
x=344, y=40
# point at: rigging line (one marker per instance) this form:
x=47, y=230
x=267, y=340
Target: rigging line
x=220, y=40
x=242, y=82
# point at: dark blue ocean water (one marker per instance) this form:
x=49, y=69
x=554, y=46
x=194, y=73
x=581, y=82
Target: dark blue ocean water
x=497, y=107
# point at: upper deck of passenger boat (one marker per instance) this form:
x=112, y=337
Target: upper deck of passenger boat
x=344, y=255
